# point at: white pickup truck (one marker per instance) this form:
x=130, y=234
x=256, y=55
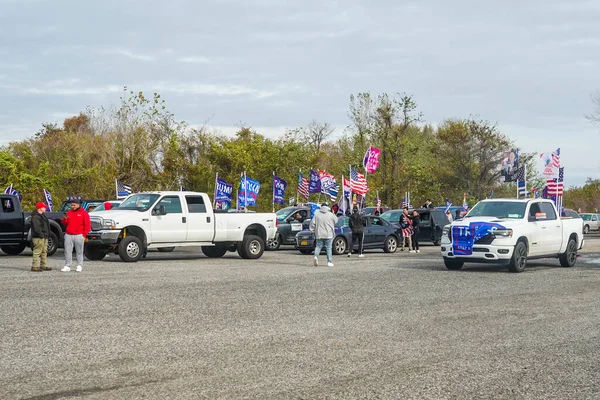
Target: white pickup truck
x=512, y=231
x=165, y=220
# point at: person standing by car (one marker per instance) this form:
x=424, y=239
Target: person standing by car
x=40, y=233
x=416, y=221
x=405, y=228
x=323, y=225
x=428, y=204
x=77, y=222
x=357, y=224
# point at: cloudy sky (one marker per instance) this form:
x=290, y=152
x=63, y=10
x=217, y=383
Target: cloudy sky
x=530, y=66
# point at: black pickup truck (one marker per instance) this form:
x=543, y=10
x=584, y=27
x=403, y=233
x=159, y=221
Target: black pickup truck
x=15, y=228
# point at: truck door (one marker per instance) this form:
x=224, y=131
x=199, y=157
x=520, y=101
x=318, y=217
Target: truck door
x=11, y=221
x=171, y=227
x=552, y=239
x=201, y=224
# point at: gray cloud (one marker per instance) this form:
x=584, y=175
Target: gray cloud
x=530, y=66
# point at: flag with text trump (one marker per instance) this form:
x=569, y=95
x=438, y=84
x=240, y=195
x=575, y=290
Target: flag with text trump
x=279, y=186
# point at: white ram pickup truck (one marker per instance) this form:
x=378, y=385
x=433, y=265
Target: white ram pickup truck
x=165, y=220
x=512, y=231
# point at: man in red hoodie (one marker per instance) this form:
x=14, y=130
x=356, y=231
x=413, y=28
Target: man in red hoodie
x=77, y=221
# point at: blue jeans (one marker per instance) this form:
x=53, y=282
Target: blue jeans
x=327, y=243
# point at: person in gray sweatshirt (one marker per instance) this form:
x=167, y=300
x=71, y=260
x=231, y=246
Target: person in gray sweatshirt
x=323, y=225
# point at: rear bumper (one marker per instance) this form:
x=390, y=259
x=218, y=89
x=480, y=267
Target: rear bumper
x=101, y=238
x=481, y=253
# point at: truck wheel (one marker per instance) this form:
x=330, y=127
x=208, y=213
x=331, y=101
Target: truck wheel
x=166, y=249
x=52, y=244
x=586, y=229
x=339, y=246
x=252, y=247
x=569, y=257
x=214, y=251
x=391, y=244
x=274, y=243
x=13, y=250
x=518, y=262
x=94, y=253
x=130, y=249
x=453, y=265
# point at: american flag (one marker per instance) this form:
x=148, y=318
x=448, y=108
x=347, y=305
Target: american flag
x=303, y=186
x=556, y=158
x=556, y=186
x=406, y=201
x=123, y=190
x=358, y=182
x=521, y=181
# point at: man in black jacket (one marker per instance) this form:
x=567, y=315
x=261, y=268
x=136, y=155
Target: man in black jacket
x=416, y=221
x=40, y=232
x=357, y=225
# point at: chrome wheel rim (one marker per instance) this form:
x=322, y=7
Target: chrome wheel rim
x=392, y=244
x=50, y=244
x=340, y=246
x=133, y=250
x=273, y=243
x=254, y=247
x=521, y=258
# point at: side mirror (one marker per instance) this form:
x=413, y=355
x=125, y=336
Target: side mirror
x=162, y=210
x=532, y=218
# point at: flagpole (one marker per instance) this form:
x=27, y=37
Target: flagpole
x=215, y=194
x=298, y=183
x=116, y=189
x=245, y=192
x=273, y=191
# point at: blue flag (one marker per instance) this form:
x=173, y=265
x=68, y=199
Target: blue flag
x=279, y=186
x=248, y=193
x=48, y=197
x=448, y=205
x=315, y=182
x=223, y=191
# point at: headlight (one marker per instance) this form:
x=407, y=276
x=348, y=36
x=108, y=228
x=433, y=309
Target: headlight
x=503, y=232
x=446, y=232
x=108, y=224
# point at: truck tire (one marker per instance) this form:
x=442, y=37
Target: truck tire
x=52, y=244
x=94, y=253
x=569, y=257
x=214, y=251
x=453, y=265
x=586, y=229
x=13, y=250
x=275, y=243
x=518, y=262
x=339, y=246
x=130, y=249
x=166, y=249
x=252, y=247
x=391, y=244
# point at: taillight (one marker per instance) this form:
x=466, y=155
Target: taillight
x=276, y=222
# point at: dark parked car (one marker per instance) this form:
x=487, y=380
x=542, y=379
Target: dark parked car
x=15, y=228
x=288, y=226
x=379, y=234
x=432, y=223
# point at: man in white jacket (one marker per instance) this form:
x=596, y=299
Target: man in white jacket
x=323, y=225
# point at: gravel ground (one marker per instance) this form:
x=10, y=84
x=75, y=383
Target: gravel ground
x=178, y=326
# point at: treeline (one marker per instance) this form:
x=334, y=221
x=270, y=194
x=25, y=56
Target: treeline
x=142, y=144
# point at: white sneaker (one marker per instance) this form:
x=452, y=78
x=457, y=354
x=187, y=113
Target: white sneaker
x=349, y=254
x=315, y=261
x=330, y=264
x=412, y=251
x=79, y=269
x=418, y=251
x=361, y=255
x=65, y=269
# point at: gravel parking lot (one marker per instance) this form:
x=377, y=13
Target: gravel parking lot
x=399, y=326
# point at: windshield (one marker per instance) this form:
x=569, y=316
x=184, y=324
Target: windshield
x=391, y=216
x=102, y=208
x=66, y=206
x=139, y=202
x=498, y=209
x=586, y=217
x=284, y=212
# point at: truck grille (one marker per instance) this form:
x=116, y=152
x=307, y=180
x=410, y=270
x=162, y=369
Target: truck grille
x=96, y=224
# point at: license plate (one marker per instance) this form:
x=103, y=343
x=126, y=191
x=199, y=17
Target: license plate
x=304, y=243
